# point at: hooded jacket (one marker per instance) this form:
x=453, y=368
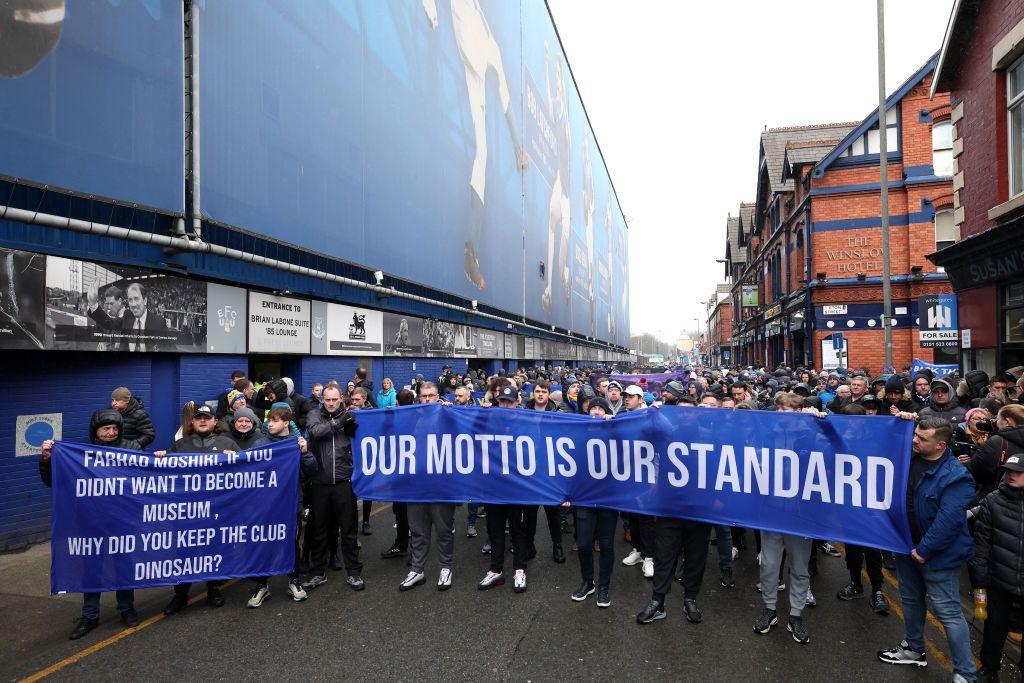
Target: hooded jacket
x=136, y=424
x=998, y=549
x=246, y=440
x=984, y=464
x=952, y=412
x=212, y=443
x=300, y=404
x=103, y=416
x=329, y=437
x=975, y=384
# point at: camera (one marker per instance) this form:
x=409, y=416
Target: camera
x=987, y=425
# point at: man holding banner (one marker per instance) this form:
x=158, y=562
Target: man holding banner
x=104, y=430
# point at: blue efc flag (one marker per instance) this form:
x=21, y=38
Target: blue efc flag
x=124, y=519
x=840, y=478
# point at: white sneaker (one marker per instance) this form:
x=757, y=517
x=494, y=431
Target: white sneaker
x=648, y=567
x=444, y=581
x=298, y=594
x=735, y=552
x=411, y=580
x=634, y=558
x=811, y=601
x=519, y=581
x=261, y=594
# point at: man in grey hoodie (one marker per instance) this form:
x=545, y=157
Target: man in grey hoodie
x=944, y=404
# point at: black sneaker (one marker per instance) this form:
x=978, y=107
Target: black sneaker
x=604, y=598
x=850, y=591
x=765, y=620
x=652, y=612
x=130, y=618
x=177, y=603
x=585, y=590
x=727, y=580
x=83, y=626
x=691, y=611
x=393, y=551
x=902, y=654
x=367, y=531
x=356, y=582
x=879, y=605
x=214, y=598
x=799, y=631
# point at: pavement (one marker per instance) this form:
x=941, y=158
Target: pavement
x=461, y=634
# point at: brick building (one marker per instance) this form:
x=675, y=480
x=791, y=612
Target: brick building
x=719, y=326
x=814, y=261
x=982, y=65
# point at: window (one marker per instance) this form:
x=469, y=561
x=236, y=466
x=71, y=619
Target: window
x=946, y=233
x=1015, y=120
x=942, y=149
x=869, y=143
x=1013, y=313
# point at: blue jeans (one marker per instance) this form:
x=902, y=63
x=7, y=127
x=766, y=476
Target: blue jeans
x=723, y=537
x=471, y=510
x=596, y=523
x=943, y=587
x=91, y=603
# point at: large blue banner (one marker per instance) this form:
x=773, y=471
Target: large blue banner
x=124, y=519
x=940, y=370
x=840, y=478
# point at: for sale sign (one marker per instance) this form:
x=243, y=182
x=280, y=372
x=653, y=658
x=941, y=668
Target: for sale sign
x=938, y=323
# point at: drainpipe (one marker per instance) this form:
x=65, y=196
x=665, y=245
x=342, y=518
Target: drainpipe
x=809, y=342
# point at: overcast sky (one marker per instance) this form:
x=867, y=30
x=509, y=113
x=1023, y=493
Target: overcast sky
x=678, y=91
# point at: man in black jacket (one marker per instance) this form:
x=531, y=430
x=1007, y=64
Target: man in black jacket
x=542, y=401
x=104, y=430
x=137, y=426
x=330, y=430
x=203, y=439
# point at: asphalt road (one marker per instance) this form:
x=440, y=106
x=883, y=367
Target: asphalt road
x=461, y=634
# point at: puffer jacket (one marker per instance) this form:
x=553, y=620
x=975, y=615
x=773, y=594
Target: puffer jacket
x=952, y=412
x=941, y=497
x=137, y=426
x=330, y=442
x=974, y=386
x=194, y=443
x=984, y=463
x=999, y=541
x=101, y=416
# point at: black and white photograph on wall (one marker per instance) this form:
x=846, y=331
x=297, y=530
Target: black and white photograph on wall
x=403, y=335
x=466, y=342
x=104, y=307
x=438, y=337
x=22, y=283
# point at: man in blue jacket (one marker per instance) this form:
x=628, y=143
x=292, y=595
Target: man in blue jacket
x=939, y=489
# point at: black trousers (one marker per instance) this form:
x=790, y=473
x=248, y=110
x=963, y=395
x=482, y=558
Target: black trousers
x=997, y=626
x=336, y=499
x=673, y=536
x=554, y=516
x=522, y=521
x=856, y=556
x=642, y=529
x=182, y=589
x=401, y=525
x=367, y=509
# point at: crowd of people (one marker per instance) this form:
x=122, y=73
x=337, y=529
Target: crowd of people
x=964, y=498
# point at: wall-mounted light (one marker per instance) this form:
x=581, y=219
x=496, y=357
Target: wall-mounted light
x=916, y=270
x=861, y=277
x=379, y=277
x=475, y=303
x=820, y=276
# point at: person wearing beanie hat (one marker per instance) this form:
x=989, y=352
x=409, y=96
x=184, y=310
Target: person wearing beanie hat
x=104, y=430
x=137, y=425
x=244, y=428
x=895, y=399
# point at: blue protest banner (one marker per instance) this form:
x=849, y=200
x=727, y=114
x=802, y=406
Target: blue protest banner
x=938, y=369
x=840, y=478
x=124, y=519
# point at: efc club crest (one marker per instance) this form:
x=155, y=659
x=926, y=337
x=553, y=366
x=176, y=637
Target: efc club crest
x=227, y=318
x=319, y=328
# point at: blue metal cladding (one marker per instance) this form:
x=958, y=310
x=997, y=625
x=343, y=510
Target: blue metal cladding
x=442, y=141
x=91, y=97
